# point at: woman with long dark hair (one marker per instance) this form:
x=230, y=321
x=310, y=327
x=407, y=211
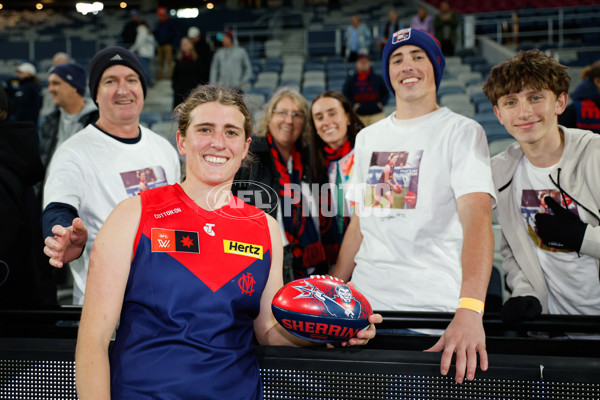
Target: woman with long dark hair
x=335, y=126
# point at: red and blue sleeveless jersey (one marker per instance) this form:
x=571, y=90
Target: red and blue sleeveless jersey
x=186, y=327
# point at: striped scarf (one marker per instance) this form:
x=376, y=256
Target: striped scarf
x=300, y=230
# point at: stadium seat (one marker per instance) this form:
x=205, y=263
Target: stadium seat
x=149, y=118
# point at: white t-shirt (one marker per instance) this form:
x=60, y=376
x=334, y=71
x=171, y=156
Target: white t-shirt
x=572, y=279
x=410, y=255
x=93, y=172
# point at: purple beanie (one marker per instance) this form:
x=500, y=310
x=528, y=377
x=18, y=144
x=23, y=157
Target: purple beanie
x=419, y=38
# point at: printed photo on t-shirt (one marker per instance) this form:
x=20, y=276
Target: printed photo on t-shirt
x=393, y=179
x=143, y=179
x=533, y=202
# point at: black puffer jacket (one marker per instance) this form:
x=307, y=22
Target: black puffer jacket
x=25, y=276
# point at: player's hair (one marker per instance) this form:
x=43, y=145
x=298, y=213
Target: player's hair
x=212, y=94
x=263, y=125
x=392, y=155
x=528, y=69
x=317, y=144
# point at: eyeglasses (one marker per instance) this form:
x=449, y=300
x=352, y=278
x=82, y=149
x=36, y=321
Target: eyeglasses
x=296, y=116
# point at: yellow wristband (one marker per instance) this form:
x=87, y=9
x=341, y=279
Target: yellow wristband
x=471, y=304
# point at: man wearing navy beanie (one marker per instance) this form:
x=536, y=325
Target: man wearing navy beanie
x=102, y=164
x=431, y=247
x=109, y=57
x=73, y=112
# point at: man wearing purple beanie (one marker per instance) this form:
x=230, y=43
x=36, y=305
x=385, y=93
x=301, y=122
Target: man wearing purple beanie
x=73, y=112
x=431, y=248
x=102, y=164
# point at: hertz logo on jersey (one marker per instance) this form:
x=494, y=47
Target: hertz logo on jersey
x=243, y=249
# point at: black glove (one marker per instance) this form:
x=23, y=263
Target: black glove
x=521, y=308
x=563, y=230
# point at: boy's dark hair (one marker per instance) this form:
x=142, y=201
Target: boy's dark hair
x=528, y=69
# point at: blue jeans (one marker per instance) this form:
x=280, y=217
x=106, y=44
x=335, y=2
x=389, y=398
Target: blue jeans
x=145, y=61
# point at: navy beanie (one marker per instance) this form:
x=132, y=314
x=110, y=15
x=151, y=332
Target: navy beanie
x=419, y=38
x=108, y=57
x=73, y=74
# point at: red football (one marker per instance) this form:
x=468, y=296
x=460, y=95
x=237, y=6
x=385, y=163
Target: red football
x=321, y=309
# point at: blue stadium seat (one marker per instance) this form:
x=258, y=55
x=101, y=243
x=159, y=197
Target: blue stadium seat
x=149, y=118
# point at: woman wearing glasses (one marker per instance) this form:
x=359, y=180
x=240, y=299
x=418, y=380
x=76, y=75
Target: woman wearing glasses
x=335, y=127
x=278, y=181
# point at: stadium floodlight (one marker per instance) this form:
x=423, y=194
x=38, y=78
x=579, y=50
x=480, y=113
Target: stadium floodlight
x=187, y=13
x=93, y=8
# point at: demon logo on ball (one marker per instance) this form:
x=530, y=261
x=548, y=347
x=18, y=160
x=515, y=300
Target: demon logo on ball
x=341, y=305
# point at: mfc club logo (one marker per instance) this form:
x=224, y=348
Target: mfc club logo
x=246, y=283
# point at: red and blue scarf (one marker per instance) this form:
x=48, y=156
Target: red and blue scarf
x=300, y=230
x=331, y=237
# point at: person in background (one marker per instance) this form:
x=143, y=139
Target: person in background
x=231, y=65
x=61, y=58
x=199, y=338
x=548, y=189
x=167, y=38
x=129, y=31
x=335, y=126
x=145, y=47
x=98, y=167
x=584, y=111
x=422, y=21
x=73, y=112
x=25, y=280
x=445, y=25
x=281, y=150
x=357, y=39
x=203, y=51
x=26, y=93
x=392, y=25
x=48, y=105
x=435, y=244
x=366, y=91
x=187, y=71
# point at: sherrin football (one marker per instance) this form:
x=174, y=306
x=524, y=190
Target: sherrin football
x=321, y=309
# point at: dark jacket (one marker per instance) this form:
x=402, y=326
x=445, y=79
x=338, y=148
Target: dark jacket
x=27, y=100
x=129, y=32
x=261, y=169
x=166, y=32
x=367, y=89
x=49, y=132
x=205, y=55
x=584, y=111
x=186, y=76
x=25, y=275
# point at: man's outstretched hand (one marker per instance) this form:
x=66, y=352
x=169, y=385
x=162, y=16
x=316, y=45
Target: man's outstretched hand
x=67, y=243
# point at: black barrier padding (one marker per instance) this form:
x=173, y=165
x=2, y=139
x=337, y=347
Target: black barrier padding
x=44, y=369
